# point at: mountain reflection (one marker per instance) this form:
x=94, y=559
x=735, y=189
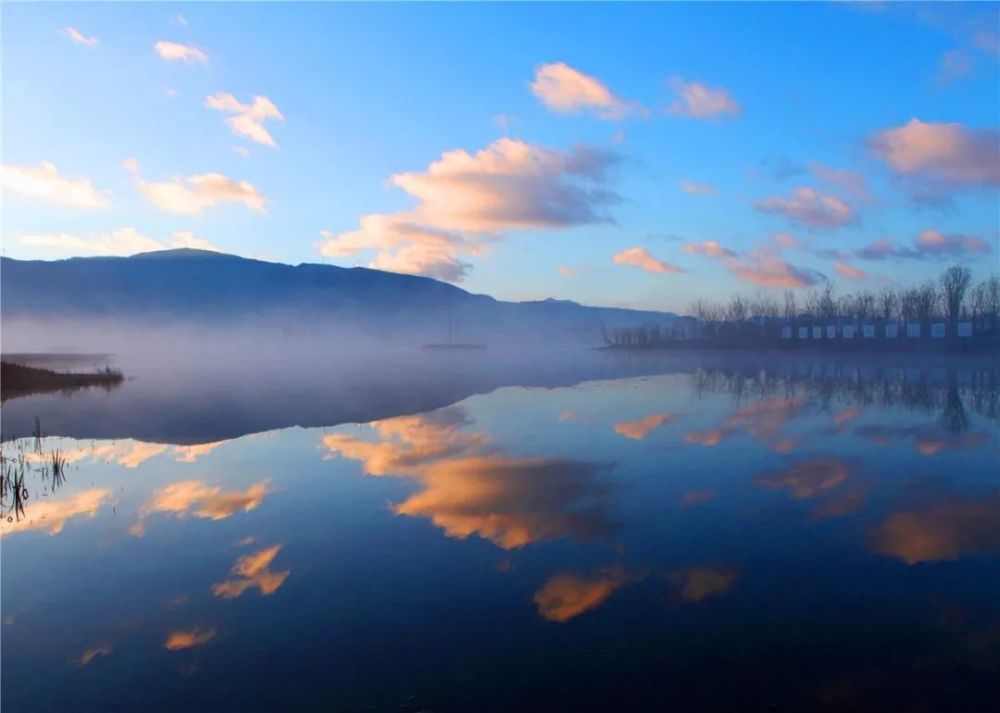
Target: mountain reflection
x=469, y=487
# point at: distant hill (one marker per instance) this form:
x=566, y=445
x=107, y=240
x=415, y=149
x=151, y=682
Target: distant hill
x=213, y=289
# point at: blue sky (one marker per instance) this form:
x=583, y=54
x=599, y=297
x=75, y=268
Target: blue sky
x=791, y=125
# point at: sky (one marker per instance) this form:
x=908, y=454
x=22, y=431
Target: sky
x=629, y=155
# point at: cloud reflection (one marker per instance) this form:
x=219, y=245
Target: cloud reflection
x=470, y=488
x=568, y=595
x=186, y=639
x=198, y=499
x=637, y=430
x=52, y=515
x=943, y=531
x=253, y=570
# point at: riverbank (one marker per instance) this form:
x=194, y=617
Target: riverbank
x=20, y=380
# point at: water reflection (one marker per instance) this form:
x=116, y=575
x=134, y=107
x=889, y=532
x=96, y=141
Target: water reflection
x=567, y=595
x=468, y=486
x=630, y=527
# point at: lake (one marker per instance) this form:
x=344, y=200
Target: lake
x=468, y=532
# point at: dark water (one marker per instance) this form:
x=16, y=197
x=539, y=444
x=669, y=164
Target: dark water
x=592, y=533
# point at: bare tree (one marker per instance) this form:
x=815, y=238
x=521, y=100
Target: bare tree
x=827, y=303
x=955, y=283
x=790, y=310
x=888, y=304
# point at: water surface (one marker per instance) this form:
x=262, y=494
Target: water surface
x=637, y=534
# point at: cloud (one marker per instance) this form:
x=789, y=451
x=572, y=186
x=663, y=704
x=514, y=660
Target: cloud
x=53, y=514
x=465, y=201
x=852, y=182
x=194, y=497
x=640, y=257
x=178, y=20
x=44, y=183
x=468, y=488
x=701, y=101
x=568, y=270
x=186, y=639
x=763, y=266
x=767, y=270
x=849, y=271
x=253, y=570
x=940, y=532
x=808, y=479
x=640, y=428
x=568, y=91
x=785, y=240
x=123, y=241
x=955, y=64
x=568, y=595
x=247, y=120
x=709, y=248
x=763, y=419
x=193, y=194
x=697, y=584
x=78, y=37
x=176, y=52
x=928, y=244
x=693, y=188
x=92, y=653
x=937, y=159
x=810, y=207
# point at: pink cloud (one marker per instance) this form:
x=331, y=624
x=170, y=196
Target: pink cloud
x=849, y=271
x=640, y=257
x=700, y=101
x=936, y=159
x=466, y=201
x=693, y=188
x=928, y=244
x=709, y=248
x=810, y=207
x=566, y=90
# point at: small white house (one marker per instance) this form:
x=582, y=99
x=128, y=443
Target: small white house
x=912, y=330
x=965, y=329
x=891, y=331
x=831, y=332
x=817, y=332
x=786, y=332
x=803, y=332
x=848, y=331
x=868, y=331
x=937, y=330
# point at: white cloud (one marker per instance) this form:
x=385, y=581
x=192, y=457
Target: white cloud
x=701, y=101
x=247, y=120
x=78, y=37
x=123, y=241
x=177, y=52
x=568, y=91
x=131, y=164
x=178, y=20
x=44, y=183
x=193, y=194
x=467, y=200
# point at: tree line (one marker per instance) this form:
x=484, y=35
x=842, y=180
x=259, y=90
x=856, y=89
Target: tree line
x=952, y=298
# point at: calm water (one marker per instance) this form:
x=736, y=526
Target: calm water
x=601, y=534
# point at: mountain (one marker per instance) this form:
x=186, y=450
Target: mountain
x=185, y=286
